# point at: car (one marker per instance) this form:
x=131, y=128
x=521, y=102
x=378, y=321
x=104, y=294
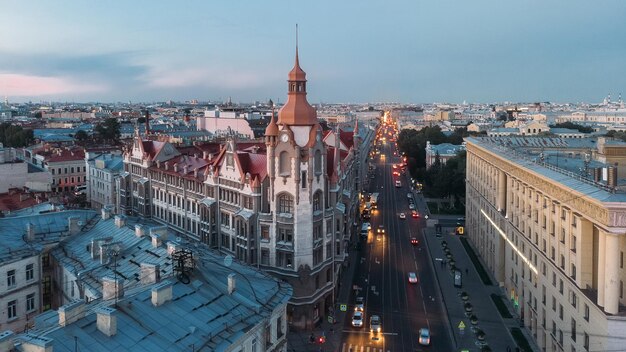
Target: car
x=412, y=278
x=424, y=338
x=357, y=319
x=369, y=226
x=375, y=324
x=402, y=216
x=414, y=241
x=409, y=195
x=359, y=304
x=415, y=214
x=381, y=229
x=396, y=173
x=398, y=184
x=394, y=166
x=412, y=206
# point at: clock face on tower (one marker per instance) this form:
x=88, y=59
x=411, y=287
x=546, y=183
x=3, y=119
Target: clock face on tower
x=284, y=138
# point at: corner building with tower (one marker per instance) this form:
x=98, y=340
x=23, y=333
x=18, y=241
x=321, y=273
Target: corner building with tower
x=287, y=204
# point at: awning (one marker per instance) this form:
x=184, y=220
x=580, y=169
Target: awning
x=207, y=201
x=245, y=213
x=341, y=207
x=346, y=193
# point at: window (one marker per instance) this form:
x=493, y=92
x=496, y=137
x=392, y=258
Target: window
x=30, y=302
x=284, y=169
x=317, y=201
x=265, y=256
x=303, y=179
x=279, y=327
x=573, y=329
x=285, y=234
x=265, y=233
x=621, y=289
x=318, y=162
x=586, y=342
x=553, y=304
x=285, y=204
x=573, y=271
x=621, y=260
x=560, y=286
x=586, y=316
x=12, y=309
x=560, y=311
x=30, y=272
x=574, y=299
x=254, y=345
x=11, y=278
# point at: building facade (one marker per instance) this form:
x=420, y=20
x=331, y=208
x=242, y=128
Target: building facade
x=286, y=204
x=102, y=171
x=554, y=241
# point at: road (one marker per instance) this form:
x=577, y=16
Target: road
x=385, y=263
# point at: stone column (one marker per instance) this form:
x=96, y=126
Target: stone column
x=601, y=265
x=611, y=274
x=502, y=190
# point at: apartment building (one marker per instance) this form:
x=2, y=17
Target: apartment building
x=25, y=270
x=102, y=171
x=66, y=164
x=286, y=204
x=551, y=231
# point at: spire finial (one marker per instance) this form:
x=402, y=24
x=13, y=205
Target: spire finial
x=297, y=60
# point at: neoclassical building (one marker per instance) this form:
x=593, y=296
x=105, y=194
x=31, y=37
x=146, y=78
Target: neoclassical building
x=552, y=233
x=286, y=204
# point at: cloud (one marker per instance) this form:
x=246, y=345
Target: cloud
x=205, y=77
x=19, y=85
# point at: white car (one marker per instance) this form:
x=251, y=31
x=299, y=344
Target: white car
x=424, y=338
x=357, y=319
x=412, y=278
x=412, y=206
x=402, y=216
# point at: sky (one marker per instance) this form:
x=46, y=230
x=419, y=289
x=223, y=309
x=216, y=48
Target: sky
x=411, y=51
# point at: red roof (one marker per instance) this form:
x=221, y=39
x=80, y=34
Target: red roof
x=61, y=155
x=13, y=201
x=347, y=138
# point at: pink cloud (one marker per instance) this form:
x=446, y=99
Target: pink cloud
x=16, y=85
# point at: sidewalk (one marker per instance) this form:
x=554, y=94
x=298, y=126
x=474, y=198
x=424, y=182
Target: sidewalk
x=300, y=341
x=447, y=250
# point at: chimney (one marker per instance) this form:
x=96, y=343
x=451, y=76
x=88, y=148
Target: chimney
x=167, y=165
x=231, y=283
x=34, y=343
x=205, y=154
x=30, y=232
x=120, y=221
x=106, y=320
x=110, y=286
x=597, y=174
x=156, y=240
x=186, y=169
x=162, y=293
x=150, y=273
x=611, y=180
x=175, y=167
x=72, y=224
x=71, y=312
x=172, y=247
x=6, y=340
x=106, y=213
x=94, y=248
x=139, y=231
x=161, y=231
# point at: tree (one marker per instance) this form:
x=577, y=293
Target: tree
x=109, y=130
x=573, y=126
x=81, y=136
x=15, y=136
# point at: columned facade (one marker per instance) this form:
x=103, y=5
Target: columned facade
x=554, y=243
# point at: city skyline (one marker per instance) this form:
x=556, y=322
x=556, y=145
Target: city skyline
x=410, y=52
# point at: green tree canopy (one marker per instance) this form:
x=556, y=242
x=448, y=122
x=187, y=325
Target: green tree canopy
x=109, y=130
x=15, y=136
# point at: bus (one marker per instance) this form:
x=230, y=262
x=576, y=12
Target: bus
x=374, y=200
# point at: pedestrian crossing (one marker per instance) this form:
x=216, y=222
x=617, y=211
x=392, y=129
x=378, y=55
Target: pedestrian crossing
x=360, y=348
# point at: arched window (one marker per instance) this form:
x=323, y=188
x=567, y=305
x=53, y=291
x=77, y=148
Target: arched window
x=317, y=201
x=285, y=203
x=318, y=162
x=284, y=169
